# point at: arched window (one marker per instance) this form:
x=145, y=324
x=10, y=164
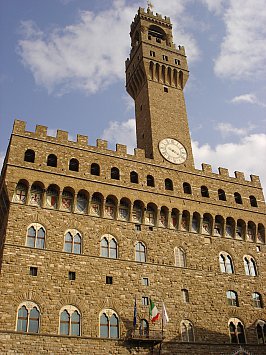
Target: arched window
x=207, y=224
x=82, y=202
x=180, y=257
x=226, y=263
x=156, y=32
x=21, y=191
x=67, y=200
x=251, y=230
x=109, y=324
x=257, y=300
x=36, y=194
x=261, y=331
x=150, y=215
x=140, y=252
x=261, y=233
x=96, y=204
x=230, y=227
x=115, y=173
x=253, y=201
x=185, y=295
x=232, y=299
x=74, y=164
x=123, y=210
x=204, y=191
x=72, y=243
x=110, y=207
x=168, y=184
x=137, y=212
x=237, y=333
x=250, y=266
x=185, y=221
x=187, y=331
x=52, y=160
x=195, y=222
x=109, y=247
x=144, y=328
x=240, y=229
x=218, y=226
x=95, y=169
x=150, y=180
x=70, y=321
x=187, y=188
x=52, y=196
x=221, y=195
x=29, y=156
x=134, y=178
x=174, y=218
x=238, y=198
x=35, y=236
x=28, y=318
x=163, y=217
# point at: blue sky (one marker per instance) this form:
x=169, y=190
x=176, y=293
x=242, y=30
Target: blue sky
x=62, y=66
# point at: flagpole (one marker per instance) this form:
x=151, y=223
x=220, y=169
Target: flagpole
x=162, y=318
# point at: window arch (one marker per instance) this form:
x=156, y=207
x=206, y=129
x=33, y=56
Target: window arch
x=204, y=191
x=52, y=160
x=185, y=295
x=96, y=204
x=67, y=199
x=180, y=257
x=185, y=221
x=230, y=227
x=82, y=201
x=35, y=236
x=150, y=180
x=261, y=331
x=28, y=317
x=207, y=224
x=115, y=174
x=20, y=194
x=109, y=248
x=70, y=321
x=164, y=212
x=150, y=215
x=95, y=169
x=140, y=250
x=232, y=298
x=240, y=229
x=257, y=300
x=73, y=165
x=251, y=231
x=187, y=188
x=52, y=197
x=168, y=184
x=134, y=178
x=137, y=213
x=29, y=156
x=144, y=328
x=226, y=263
x=36, y=194
x=123, y=210
x=174, y=218
x=253, y=201
x=72, y=242
x=221, y=195
x=110, y=207
x=195, y=222
x=157, y=32
x=109, y=324
x=237, y=332
x=187, y=331
x=218, y=226
x=238, y=198
x=261, y=233
x=250, y=266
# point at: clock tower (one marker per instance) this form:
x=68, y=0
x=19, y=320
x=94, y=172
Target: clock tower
x=156, y=74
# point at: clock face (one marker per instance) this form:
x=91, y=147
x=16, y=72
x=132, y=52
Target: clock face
x=172, y=150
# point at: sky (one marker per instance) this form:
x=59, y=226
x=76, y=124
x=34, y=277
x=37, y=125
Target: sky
x=62, y=66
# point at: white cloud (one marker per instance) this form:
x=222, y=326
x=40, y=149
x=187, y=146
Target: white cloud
x=215, y=6
x=243, y=50
x=2, y=157
x=247, y=98
x=121, y=132
x=247, y=156
x=227, y=129
x=89, y=55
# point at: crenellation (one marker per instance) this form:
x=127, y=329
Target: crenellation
x=139, y=153
x=82, y=140
x=121, y=149
x=19, y=127
x=223, y=172
x=255, y=180
x=102, y=144
x=41, y=131
x=206, y=168
x=62, y=136
x=240, y=175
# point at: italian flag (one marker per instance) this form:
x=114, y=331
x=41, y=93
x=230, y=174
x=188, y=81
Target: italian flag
x=154, y=313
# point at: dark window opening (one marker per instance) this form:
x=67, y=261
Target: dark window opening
x=204, y=191
x=168, y=183
x=221, y=195
x=157, y=32
x=187, y=188
x=165, y=89
x=253, y=201
x=109, y=280
x=72, y=275
x=134, y=177
x=115, y=174
x=29, y=156
x=33, y=271
x=52, y=160
x=74, y=165
x=238, y=198
x=177, y=61
x=150, y=228
x=137, y=227
x=150, y=180
x=95, y=169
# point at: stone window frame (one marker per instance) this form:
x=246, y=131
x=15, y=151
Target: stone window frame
x=262, y=324
x=22, y=186
x=250, y=266
x=185, y=295
x=236, y=333
x=109, y=237
x=140, y=253
x=257, y=299
x=227, y=260
x=70, y=309
x=109, y=313
x=29, y=156
x=29, y=305
x=180, y=257
x=73, y=233
x=189, y=334
x=37, y=227
x=232, y=298
x=51, y=160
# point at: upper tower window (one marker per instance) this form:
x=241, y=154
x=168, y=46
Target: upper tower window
x=157, y=32
x=29, y=156
x=134, y=177
x=95, y=169
x=74, y=164
x=238, y=198
x=52, y=160
x=115, y=173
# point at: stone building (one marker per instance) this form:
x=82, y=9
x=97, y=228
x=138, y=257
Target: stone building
x=86, y=231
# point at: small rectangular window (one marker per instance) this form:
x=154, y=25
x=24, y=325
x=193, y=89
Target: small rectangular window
x=145, y=281
x=33, y=271
x=150, y=228
x=137, y=227
x=145, y=300
x=165, y=57
x=152, y=53
x=109, y=280
x=165, y=89
x=149, y=37
x=158, y=40
x=72, y=275
x=177, y=61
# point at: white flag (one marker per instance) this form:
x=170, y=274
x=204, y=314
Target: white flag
x=165, y=315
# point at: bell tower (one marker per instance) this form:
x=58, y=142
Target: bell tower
x=156, y=74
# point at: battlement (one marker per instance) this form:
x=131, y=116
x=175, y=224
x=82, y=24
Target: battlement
x=62, y=138
x=156, y=18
